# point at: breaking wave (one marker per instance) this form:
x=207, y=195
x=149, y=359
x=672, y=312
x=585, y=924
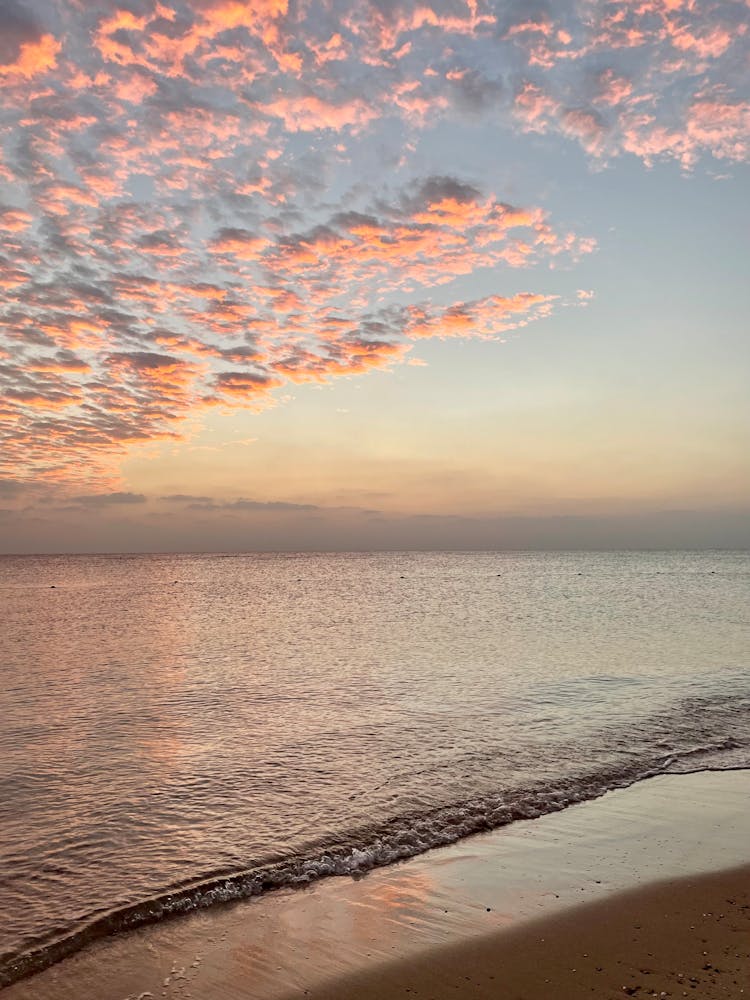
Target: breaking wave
x=360, y=851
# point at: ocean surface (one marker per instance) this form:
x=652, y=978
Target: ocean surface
x=177, y=731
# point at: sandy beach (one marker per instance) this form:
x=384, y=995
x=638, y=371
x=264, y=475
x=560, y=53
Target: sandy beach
x=689, y=937
x=642, y=892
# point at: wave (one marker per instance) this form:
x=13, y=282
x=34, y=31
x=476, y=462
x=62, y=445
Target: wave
x=359, y=851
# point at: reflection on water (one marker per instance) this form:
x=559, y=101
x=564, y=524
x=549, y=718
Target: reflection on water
x=168, y=719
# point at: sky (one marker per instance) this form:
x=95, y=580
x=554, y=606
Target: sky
x=388, y=275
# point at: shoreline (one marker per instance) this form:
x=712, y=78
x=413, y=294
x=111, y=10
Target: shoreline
x=662, y=940
x=253, y=884
x=479, y=893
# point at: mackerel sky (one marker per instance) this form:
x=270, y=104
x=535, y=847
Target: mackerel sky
x=352, y=275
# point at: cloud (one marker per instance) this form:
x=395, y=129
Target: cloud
x=587, y=126
x=671, y=53
x=26, y=50
x=130, y=328
x=238, y=243
x=711, y=122
x=612, y=89
x=310, y=113
x=487, y=318
x=475, y=92
x=185, y=225
x=17, y=27
x=185, y=498
x=108, y=499
x=275, y=506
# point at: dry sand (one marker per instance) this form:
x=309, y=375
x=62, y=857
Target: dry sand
x=627, y=892
x=689, y=938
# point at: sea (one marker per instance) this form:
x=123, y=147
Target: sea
x=177, y=731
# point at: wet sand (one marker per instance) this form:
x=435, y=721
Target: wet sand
x=676, y=939
x=573, y=904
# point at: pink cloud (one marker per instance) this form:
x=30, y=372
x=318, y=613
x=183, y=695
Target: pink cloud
x=177, y=184
x=307, y=114
x=613, y=89
x=486, y=318
x=13, y=220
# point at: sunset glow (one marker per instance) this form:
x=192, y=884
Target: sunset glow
x=221, y=220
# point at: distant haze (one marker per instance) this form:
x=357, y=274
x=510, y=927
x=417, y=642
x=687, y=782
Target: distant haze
x=332, y=531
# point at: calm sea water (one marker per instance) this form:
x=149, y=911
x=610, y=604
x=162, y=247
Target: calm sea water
x=180, y=730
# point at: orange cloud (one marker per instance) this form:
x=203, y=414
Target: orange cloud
x=239, y=243
x=486, y=318
x=307, y=114
x=34, y=59
x=613, y=89
x=244, y=387
x=14, y=220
